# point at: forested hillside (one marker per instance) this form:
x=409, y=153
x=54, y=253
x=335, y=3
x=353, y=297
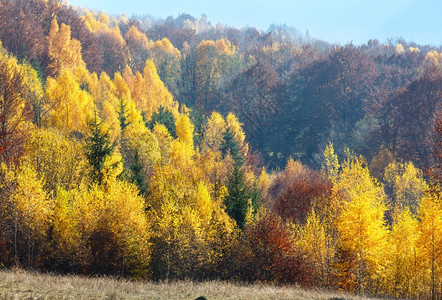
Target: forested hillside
x=171, y=149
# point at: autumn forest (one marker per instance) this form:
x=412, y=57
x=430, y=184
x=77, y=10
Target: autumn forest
x=169, y=149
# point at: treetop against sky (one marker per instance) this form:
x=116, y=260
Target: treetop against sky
x=338, y=21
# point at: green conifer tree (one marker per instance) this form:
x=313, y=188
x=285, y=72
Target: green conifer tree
x=98, y=147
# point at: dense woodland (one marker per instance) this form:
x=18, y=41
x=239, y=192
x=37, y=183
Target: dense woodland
x=176, y=149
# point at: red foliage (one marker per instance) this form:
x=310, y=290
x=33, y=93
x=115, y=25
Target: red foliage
x=268, y=253
x=298, y=190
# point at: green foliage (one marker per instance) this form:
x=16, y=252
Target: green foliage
x=123, y=114
x=237, y=200
x=165, y=117
x=98, y=148
x=137, y=176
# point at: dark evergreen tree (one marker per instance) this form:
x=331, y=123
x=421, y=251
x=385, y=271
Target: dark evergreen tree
x=230, y=146
x=237, y=201
x=122, y=115
x=255, y=197
x=165, y=117
x=98, y=147
x=137, y=175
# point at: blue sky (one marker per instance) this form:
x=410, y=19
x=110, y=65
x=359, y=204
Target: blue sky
x=339, y=21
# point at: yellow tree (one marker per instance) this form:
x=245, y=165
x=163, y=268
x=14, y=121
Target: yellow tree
x=215, y=61
x=27, y=215
x=139, y=46
x=57, y=159
x=331, y=167
x=164, y=141
x=182, y=150
x=314, y=239
x=70, y=107
x=107, y=103
x=184, y=130
x=210, y=157
x=141, y=152
x=185, y=217
x=178, y=238
x=33, y=92
x=149, y=92
x=64, y=51
x=361, y=225
x=434, y=58
x=406, y=184
x=14, y=109
x=103, y=231
x=167, y=59
x=235, y=127
x=166, y=46
x=190, y=228
x=401, y=278
x=429, y=244
x=122, y=92
x=72, y=216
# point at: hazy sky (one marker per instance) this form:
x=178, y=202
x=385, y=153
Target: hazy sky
x=339, y=21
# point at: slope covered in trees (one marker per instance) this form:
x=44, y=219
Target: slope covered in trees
x=177, y=149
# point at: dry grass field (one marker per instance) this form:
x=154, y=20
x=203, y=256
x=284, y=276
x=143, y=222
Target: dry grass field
x=19, y=284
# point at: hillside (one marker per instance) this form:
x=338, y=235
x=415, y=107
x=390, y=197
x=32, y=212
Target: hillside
x=174, y=149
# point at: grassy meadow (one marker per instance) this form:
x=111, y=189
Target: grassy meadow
x=19, y=284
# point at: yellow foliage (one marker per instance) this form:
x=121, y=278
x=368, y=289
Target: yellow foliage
x=361, y=224
x=317, y=244
x=121, y=87
x=164, y=141
x=213, y=133
x=184, y=130
x=137, y=39
x=166, y=46
x=100, y=24
x=203, y=204
x=119, y=211
x=107, y=104
x=399, y=49
x=225, y=46
x=67, y=232
x=32, y=204
x=222, y=46
x=148, y=91
x=58, y=160
x=64, y=51
x=401, y=273
x=407, y=184
x=331, y=162
x=72, y=106
x=429, y=244
x=434, y=57
x=236, y=128
x=181, y=154
x=145, y=143
x=263, y=182
x=112, y=167
x=185, y=220
x=25, y=215
x=33, y=89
